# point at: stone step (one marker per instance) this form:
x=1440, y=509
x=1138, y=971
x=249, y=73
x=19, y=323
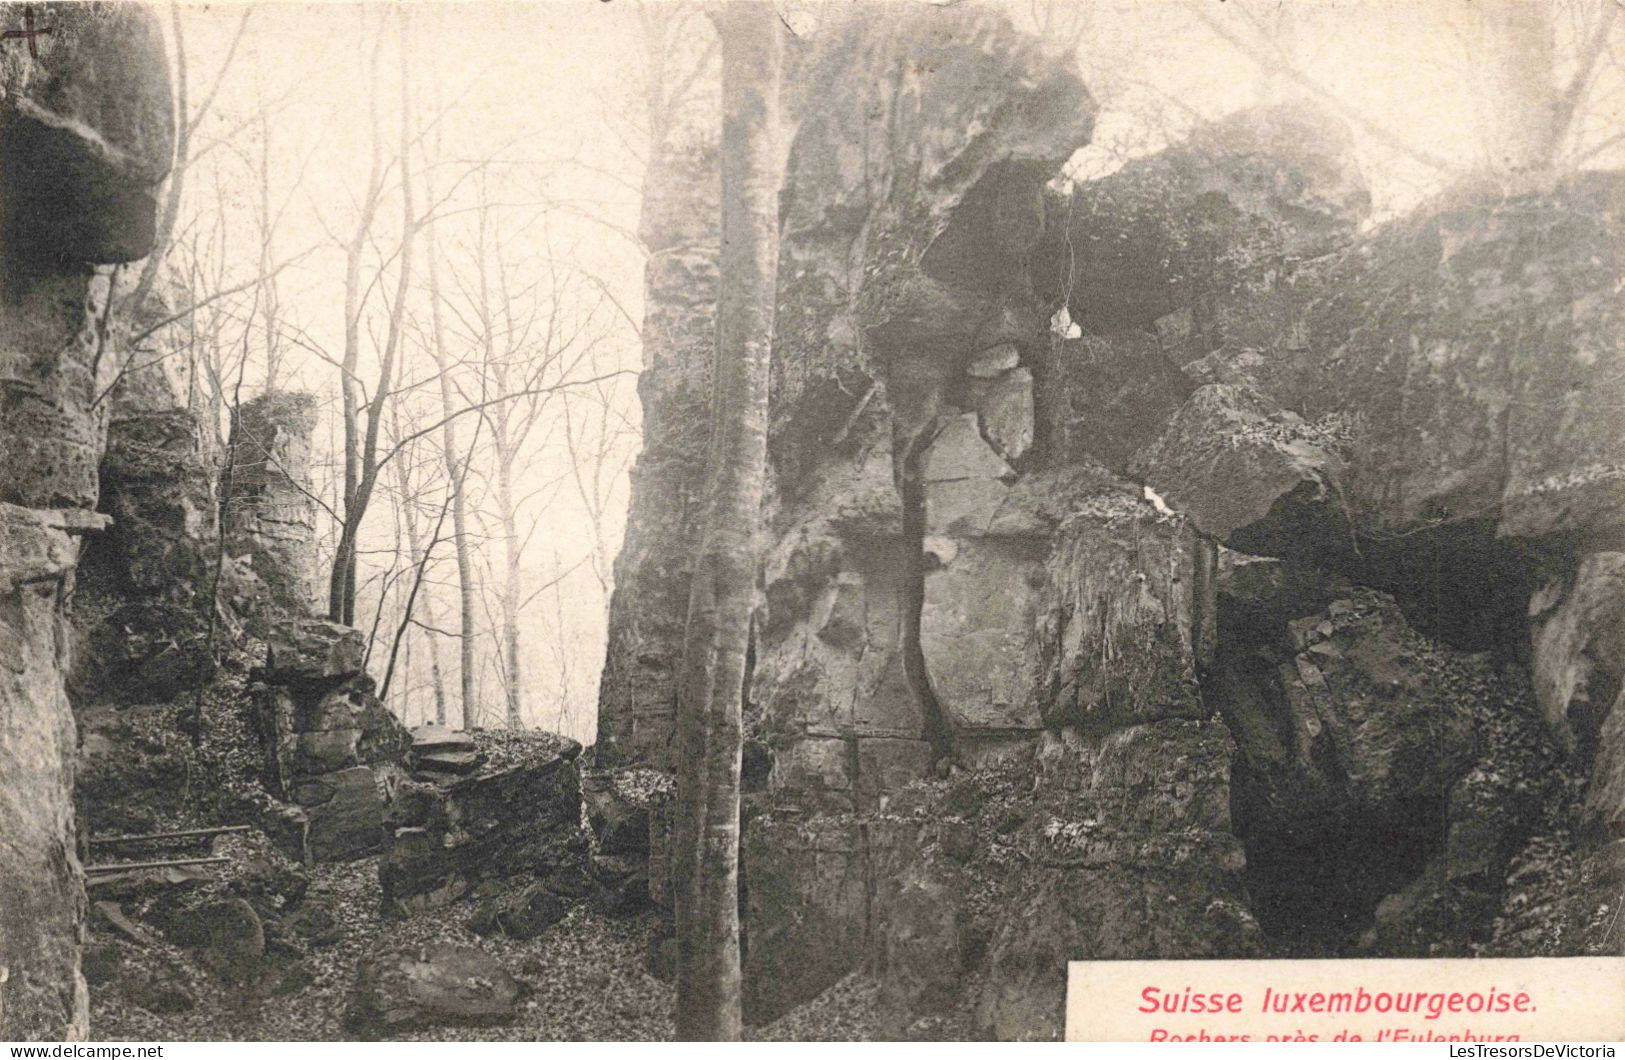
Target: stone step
x=429, y=739
x=458, y=762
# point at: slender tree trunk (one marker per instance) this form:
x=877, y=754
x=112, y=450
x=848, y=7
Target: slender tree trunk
x=724, y=583
x=510, y=588
x=414, y=543
x=1518, y=42
x=456, y=470
x=342, y=586
x=341, y=582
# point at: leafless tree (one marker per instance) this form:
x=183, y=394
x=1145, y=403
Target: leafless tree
x=724, y=583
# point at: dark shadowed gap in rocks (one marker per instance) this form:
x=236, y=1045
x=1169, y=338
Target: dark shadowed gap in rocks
x=1320, y=862
x=1316, y=895
x=1455, y=581
x=1314, y=885
x=911, y=491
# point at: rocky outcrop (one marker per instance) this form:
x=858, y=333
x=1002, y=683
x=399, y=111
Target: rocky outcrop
x=1495, y=410
x=1207, y=242
x=331, y=748
x=448, y=832
x=1133, y=857
x=85, y=138
x=1578, y=654
x=140, y=611
x=902, y=407
x=638, y=692
x=270, y=510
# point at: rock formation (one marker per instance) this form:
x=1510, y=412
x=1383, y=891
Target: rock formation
x=638, y=693
x=331, y=748
x=85, y=139
x=139, y=607
x=450, y=831
x=271, y=511
x=1085, y=646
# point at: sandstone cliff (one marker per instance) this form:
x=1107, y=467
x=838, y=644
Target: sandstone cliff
x=85, y=138
x=1227, y=627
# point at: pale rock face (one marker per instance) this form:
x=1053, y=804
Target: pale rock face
x=979, y=616
x=271, y=514
x=1005, y=414
x=960, y=452
x=86, y=135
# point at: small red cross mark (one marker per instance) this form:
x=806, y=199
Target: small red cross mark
x=28, y=32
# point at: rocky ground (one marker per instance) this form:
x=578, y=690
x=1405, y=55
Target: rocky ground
x=584, y=979
x=263, y=948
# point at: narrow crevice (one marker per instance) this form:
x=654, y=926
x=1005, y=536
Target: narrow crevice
x=937, y=729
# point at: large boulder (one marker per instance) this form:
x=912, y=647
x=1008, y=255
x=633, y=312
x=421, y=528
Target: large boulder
x=1215, y=228
x=307, y=735
x=87, y=135
x=1119, y=626
x=1478, y=344
x=1578, y=648
x=1352, y=732
x=1105, y=397
x=311, y=653
x=1251, y=475
x=1132, y=857
x=411, y=986
x=329, y=745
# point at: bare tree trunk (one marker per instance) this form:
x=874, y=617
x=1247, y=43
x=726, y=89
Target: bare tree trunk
x=457, y=471
x=342, y=582
x=414, y=544
x=342, y=585
x=510, y=588
x=1518, y=67
x=724, y=584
